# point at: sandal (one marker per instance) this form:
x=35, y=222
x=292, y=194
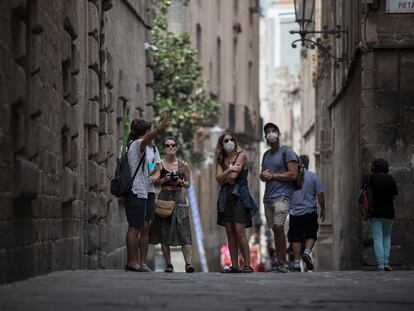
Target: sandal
x=231, y=269
x=169, y=269
x=189, y=268
x=247, y=269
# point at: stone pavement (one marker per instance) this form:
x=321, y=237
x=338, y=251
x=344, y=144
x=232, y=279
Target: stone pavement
x=118, y=290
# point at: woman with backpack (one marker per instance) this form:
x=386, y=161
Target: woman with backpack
x=383, y=189
x=235, y=205
x=171, y=226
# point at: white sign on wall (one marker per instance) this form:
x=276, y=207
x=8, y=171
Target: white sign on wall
x=400, y=6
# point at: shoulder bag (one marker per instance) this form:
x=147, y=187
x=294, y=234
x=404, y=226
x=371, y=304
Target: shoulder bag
x=165, y=208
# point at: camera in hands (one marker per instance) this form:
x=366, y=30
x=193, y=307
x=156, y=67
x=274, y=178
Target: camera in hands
x=174, y=176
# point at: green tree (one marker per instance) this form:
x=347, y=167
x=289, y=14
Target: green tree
x=178, y=90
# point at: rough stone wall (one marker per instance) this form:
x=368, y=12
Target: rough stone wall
x=387, y=122
x=338, y=246
x=70, y=71
x=345, y=168
x=337, y=97
x=366, y=111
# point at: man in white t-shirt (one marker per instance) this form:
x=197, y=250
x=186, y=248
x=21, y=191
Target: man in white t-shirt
x=139, y=138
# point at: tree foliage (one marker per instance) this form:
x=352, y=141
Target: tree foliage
x=178, y=90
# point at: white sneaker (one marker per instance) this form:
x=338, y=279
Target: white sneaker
x=308, y=261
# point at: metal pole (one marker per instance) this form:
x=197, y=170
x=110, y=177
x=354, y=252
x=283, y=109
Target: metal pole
x=197, y=227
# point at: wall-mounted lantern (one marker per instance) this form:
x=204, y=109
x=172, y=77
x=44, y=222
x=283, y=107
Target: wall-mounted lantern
x=304, y=12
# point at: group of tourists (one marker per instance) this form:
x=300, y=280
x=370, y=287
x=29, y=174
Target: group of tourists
x=172, y=175
x=290, y=189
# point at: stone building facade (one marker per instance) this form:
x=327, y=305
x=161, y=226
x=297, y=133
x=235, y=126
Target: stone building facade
x=226, y=34
x=361, y=111
x=70, y=72
x=280, y=79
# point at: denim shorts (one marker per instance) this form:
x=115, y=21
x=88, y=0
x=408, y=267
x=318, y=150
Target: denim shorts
x=135, y=209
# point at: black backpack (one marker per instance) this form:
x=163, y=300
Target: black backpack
x=121, y=184
x=300, y=177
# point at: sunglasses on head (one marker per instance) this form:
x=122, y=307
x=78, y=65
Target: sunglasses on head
x=228, y=139
x=170, y=145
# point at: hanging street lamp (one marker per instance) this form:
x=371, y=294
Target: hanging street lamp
x=303, y=13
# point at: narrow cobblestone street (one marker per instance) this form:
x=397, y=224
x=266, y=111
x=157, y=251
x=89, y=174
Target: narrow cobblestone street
x=116, y=290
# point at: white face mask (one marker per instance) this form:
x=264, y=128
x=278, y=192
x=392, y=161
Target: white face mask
x=229, y=146
x=272, y=137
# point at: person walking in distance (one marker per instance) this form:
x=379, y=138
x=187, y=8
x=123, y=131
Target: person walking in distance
x=384, y=189
x=255, y=258
x=225, y=259
x=235, y=207
x=139, y=138
x=279, y=170
x=303, y=216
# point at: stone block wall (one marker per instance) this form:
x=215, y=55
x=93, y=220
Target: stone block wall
x=346, y=175
x=338, y=246
x=366, y=109
x=70, y=72
x=387, y=122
